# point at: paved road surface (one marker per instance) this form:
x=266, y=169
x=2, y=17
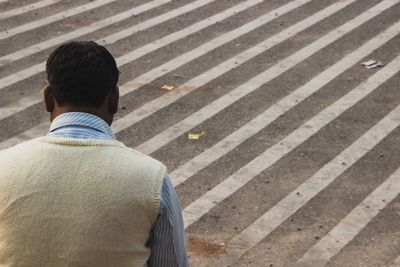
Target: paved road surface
x=297, y=158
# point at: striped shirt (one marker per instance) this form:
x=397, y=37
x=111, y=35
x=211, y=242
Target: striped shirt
x=167, y=240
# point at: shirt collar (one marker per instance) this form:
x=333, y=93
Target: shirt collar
x=82, y=119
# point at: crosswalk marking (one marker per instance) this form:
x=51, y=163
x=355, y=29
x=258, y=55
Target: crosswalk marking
x=268, y=222
x=280, y=108
x=162, y=18
x=168, y=39
x=261, y=121
x=33, y=49
x=53, y=18
x=355, y=221
x=30, y=100
x=245, y=174
x=168, y=98
x=236, y=61
x=396, y=262
x=164, y=68
x=26, y=8
x=187, y=57
x=39, y=130
x=40, y=67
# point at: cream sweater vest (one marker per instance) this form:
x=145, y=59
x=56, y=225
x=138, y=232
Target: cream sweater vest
x=72, y=202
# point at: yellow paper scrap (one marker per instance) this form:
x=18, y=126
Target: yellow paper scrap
x=168, y=87
x=193, y=136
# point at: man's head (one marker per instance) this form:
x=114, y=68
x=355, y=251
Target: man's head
x=82, y=77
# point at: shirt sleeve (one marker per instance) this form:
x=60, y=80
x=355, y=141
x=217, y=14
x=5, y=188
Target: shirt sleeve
x=167, y=239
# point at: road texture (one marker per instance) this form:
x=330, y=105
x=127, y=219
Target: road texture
x=283, y=148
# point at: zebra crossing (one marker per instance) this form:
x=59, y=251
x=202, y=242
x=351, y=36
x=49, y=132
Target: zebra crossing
x=298, y=164
x=27, y=8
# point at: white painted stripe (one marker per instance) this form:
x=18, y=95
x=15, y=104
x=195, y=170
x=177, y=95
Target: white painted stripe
x=167, y=16
x=33, y=49
x=21, y=104
x=128, y=87
x=159, y=43
x=53, y=18
x=396, y=262
x=263, y=120
x=358, y=218
x=152, y=106
x=245, y=174
x=174, y=63
x=27, y=8
x=35, y=98
x=39, y=130
x=277, y=109
x=264, y=225
x=191, y=85
x=22, y=75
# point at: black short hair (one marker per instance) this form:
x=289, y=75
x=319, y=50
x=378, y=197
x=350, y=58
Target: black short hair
x=81, y=74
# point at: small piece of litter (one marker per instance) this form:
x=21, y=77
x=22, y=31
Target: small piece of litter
x=372, y=64
x=376, y=65
x=193, y=136
x=368, y=63
x=168, y=87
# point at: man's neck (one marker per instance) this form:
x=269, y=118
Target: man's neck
x=99, y=112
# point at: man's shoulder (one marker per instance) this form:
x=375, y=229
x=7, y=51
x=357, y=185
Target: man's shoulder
x=135, y=153
x=23, y=147
x=16, y=157
x=141, y=159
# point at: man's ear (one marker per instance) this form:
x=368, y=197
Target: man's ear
x=113, y=100
x=48, y=99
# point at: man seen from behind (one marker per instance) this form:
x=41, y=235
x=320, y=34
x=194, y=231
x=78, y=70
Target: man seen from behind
x=77, y=196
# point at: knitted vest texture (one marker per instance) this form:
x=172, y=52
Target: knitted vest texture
x=72, y=202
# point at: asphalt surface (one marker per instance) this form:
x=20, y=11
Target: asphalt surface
x=297, y=158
